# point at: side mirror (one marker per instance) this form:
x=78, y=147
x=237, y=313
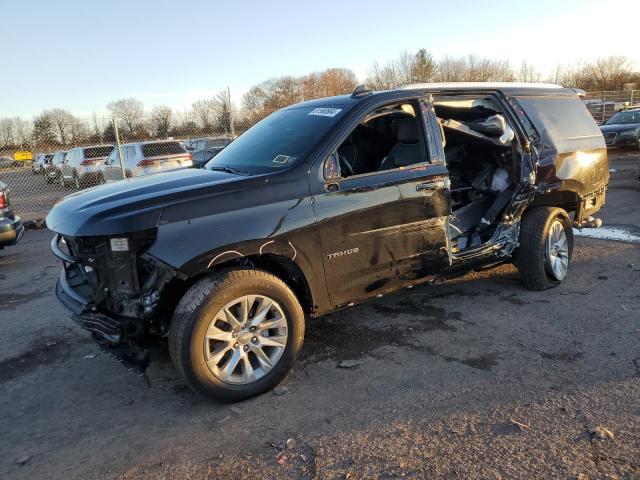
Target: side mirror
x=331, y=168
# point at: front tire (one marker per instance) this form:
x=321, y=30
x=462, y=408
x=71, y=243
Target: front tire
x=546, y=246
x=236, y=334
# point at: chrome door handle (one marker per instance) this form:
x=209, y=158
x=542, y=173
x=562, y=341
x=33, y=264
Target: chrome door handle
x=430, y=185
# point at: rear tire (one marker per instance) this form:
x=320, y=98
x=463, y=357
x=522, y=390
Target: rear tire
x=203, y=313
x=76, y=182
x=546, y=246
x=62, y=182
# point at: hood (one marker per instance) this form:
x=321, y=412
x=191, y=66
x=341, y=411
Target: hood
x=619, y=127
x=134, y=204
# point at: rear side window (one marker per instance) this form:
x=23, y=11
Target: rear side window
x=97, y=152
x=563, y=120
x=163, y=148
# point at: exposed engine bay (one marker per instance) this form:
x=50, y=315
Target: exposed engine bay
x=484, y=166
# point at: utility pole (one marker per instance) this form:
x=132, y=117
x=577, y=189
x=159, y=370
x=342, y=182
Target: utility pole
x=230, y=113
x=115, y=129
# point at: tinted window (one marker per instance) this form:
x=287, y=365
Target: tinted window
x=162, y=148
x=624, y=117
x=563, y=120
x=96, y=152
x=278, y=141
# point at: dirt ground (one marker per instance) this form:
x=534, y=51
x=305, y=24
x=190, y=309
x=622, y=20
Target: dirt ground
x=475, y=378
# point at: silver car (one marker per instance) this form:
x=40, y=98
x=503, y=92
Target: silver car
x=82, y=166
x=38, y=166
x=146, y=158
x=52, y=169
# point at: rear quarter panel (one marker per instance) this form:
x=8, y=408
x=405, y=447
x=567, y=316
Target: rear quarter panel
x=572, y=152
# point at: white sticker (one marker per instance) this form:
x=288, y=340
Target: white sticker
x=281, y=159
x=325, y=112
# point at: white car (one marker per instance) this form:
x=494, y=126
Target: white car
x=146, y=158
x=82, y=166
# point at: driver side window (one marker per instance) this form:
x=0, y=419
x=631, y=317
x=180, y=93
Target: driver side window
x=386, y=139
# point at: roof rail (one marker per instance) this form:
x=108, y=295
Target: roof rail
x=361, y=91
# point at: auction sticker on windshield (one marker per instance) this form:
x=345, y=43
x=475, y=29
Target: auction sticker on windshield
x=325, y=112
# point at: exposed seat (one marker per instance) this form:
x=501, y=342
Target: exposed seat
x=407, y=150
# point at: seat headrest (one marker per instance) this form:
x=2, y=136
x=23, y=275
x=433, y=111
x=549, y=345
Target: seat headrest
x=407, y=131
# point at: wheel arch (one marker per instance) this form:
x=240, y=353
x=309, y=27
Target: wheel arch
x=281, y=266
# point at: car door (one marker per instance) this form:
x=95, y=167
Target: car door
x=384, y=229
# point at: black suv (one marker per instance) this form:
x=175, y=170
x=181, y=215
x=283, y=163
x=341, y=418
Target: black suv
x=623, y=129
x=325, y=204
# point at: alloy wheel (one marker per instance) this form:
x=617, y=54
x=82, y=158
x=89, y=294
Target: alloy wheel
x=557, y=251
x=245, y=339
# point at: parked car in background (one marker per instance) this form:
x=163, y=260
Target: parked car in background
x=52, y=170
x=6, y=161
x=11, y=228
x=623, y=129
x=204, y=149
x=146, y=158
x=325, y=204
x=39, y=164
x=82, y=167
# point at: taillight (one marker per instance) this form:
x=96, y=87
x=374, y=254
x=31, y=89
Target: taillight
x=146, y=162
x=3, y=200
x=87, y=162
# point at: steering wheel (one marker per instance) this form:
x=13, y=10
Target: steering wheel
x=345, y=166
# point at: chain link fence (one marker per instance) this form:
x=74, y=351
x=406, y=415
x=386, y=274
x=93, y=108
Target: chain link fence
x=45, y=162
x=43, y=167
x=604, y=104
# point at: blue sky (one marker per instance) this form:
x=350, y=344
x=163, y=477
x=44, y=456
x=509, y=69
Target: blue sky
x=81, y=54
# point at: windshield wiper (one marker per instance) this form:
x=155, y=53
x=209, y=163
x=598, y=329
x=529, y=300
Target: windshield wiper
x=228, y=169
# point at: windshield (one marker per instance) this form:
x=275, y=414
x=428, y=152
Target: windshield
x=624, y=117
x=278, y=141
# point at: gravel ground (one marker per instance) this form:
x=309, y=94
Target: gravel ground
x=471, y=378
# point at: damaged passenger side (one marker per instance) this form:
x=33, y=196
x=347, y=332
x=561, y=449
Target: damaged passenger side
x=484, y=166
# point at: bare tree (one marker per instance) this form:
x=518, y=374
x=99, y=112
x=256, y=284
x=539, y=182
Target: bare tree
x=43, y=130
x=451, y=69
x=382, y=77
x=23, y=132
x=474, y=69
x=97, y=129
x=7, y=138
x=129, y=112
x=528, y=73
x=160, y=121
x=78, y=131
x=204, y=111
x=403, y=68
x=609, y=73
x=62, y=120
